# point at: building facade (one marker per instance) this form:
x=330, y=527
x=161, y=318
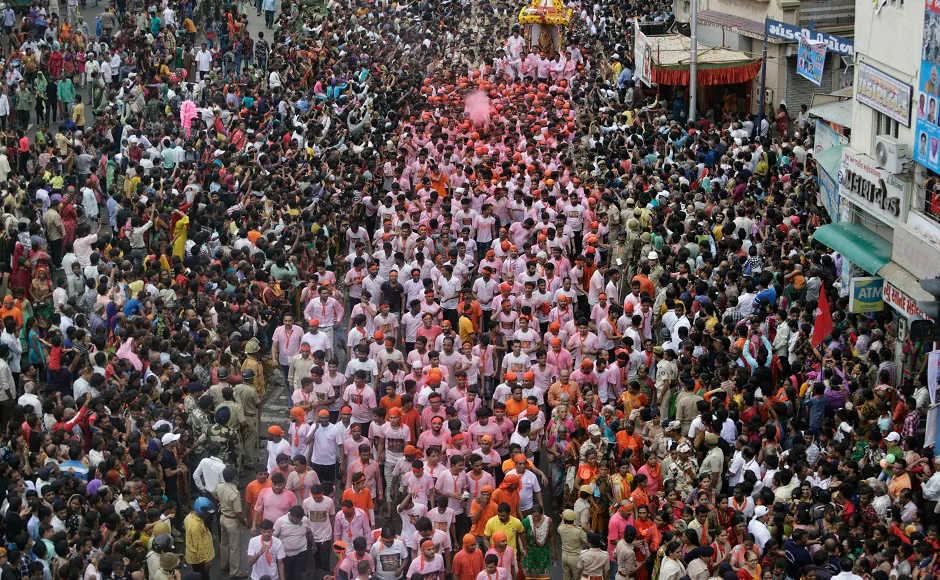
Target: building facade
x=888, y=224
x=740, y=25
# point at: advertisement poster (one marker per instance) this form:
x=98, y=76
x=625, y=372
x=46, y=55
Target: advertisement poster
x=826, y=137
x=643, y=57
x=811, y=59
x=927, y=130
x=884, y=93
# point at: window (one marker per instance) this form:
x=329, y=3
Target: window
x=927, y=194
x=885, y=125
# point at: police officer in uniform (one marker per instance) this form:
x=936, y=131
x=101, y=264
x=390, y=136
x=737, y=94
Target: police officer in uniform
x=227, y=438
x=250, y=400
x=253, y=362
x=573, y=540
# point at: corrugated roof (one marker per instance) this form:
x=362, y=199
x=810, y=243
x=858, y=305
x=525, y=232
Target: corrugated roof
x=744, y=26
x=673, y=49
x=839, y=112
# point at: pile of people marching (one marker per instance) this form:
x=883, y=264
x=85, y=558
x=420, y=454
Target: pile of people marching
x=281, y=283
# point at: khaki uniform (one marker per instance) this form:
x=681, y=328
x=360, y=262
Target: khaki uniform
x=254, y=364
x=573, y=539
x=595, y=564
x=215, y=391
x=230, y=504
x=250, y=401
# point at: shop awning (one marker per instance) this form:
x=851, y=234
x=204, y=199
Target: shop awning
x=858, y=244
x=671, y=54
x=839, y=112
x=830, y=160
x=904, y=281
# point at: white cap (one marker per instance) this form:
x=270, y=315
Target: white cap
x=760, y=511
x=893, y=436
x=169, y=438
x=653, y=256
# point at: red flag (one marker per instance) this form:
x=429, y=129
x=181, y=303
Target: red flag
x=822, y=327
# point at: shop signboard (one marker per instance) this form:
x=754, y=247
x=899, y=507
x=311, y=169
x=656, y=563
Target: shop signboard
x=875, y=190
x=836, y=44
x=884, y=93
x=902, y=302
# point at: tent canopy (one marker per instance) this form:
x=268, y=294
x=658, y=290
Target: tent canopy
x=671, y=55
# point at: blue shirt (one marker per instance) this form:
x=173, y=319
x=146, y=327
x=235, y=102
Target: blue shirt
x=768, y=296
x=77, y=467
x=817, y=411
x=132, y=307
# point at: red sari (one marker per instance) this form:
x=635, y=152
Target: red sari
x=652, y=537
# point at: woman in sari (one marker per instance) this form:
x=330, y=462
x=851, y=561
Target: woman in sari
x=34, y=351
x=751, y=569
x=647, y=531
x=20, y=277
x=69, y=216
x=40, y=293
x=639, y=495
x=180, y=226
x=722, y=547
x=620, y=483
x=741, y=554
x=690, y=545
x=540, y=547
x=720, y=517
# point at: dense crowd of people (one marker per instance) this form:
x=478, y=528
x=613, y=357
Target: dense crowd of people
x=573, y=333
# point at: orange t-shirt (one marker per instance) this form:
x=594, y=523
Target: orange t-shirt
x=253, y=490
x=514, y=407
x=488, y=511
x=468, y=566
x=390, y=403
x=502, y=496
x=361, y=500
x=15, y=312
x=411, y=418
x=646, y=285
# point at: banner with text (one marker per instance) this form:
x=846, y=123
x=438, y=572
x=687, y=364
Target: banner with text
x=927, y=132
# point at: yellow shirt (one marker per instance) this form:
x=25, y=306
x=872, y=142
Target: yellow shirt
x=130, y=186
x=512, y=528
x=199, y=548
x=78, y=114
x=465, y=328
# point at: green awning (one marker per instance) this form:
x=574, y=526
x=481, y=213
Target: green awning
x=858, y=244
x=831, y=160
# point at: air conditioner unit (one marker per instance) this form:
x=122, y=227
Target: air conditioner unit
x=890, y=153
